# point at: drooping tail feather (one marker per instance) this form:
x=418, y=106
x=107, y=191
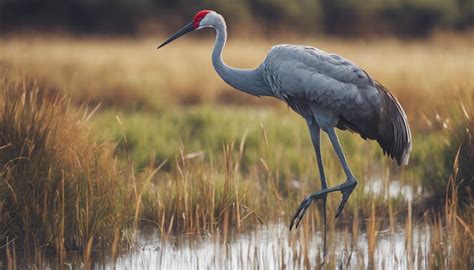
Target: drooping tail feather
x=394, y=131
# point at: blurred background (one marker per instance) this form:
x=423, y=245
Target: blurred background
x=103, y=135
x=407, y=18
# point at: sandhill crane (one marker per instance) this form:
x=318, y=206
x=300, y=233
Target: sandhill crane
x=327, y=90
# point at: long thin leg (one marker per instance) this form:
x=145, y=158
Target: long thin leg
x=351, y=182
x=345, y=188
x=340, y=154
x=315, y=131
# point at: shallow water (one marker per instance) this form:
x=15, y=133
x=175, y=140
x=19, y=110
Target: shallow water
x=267, y=247
x=391, y=189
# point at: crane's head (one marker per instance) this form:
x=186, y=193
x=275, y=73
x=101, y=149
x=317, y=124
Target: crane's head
x=202, y=19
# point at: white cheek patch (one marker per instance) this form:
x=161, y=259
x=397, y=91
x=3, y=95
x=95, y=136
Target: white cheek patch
x=207, y=21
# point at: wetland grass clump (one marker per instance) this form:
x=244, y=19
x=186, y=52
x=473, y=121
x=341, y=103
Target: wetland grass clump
x=450, y=187
x=462, y=175
x=198, y=197
x=58, y=189
x=451, y=230
x=454, y=159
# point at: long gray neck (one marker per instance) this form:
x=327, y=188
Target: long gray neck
x=246, y=80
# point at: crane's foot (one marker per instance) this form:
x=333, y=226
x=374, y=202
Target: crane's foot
x=346, y=192
x=298, y=216
x=345, y=188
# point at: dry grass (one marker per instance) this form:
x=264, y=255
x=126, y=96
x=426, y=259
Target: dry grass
x=58, y=188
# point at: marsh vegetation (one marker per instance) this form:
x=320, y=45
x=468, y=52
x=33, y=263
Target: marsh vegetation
x=101, y=140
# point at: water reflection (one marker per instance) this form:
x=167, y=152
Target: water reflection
x=265, y=247
x=271, y=247
x=392, y=189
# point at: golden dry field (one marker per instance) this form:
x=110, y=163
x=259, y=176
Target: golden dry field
x=118, y=71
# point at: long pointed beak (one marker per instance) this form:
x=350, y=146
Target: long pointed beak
x=186, y=29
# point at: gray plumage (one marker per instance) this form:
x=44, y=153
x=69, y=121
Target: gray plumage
x=328, y=91
x=306, y=77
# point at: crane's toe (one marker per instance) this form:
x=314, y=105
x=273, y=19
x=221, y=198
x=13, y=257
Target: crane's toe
x=298, y=216
x=346, y=190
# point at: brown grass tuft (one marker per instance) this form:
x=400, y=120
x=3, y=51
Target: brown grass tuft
x=57, y=187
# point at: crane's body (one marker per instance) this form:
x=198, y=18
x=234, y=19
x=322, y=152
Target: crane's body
x=334, y=92
x=328, y=91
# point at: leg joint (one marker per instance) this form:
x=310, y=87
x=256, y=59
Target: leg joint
x=352, y=181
